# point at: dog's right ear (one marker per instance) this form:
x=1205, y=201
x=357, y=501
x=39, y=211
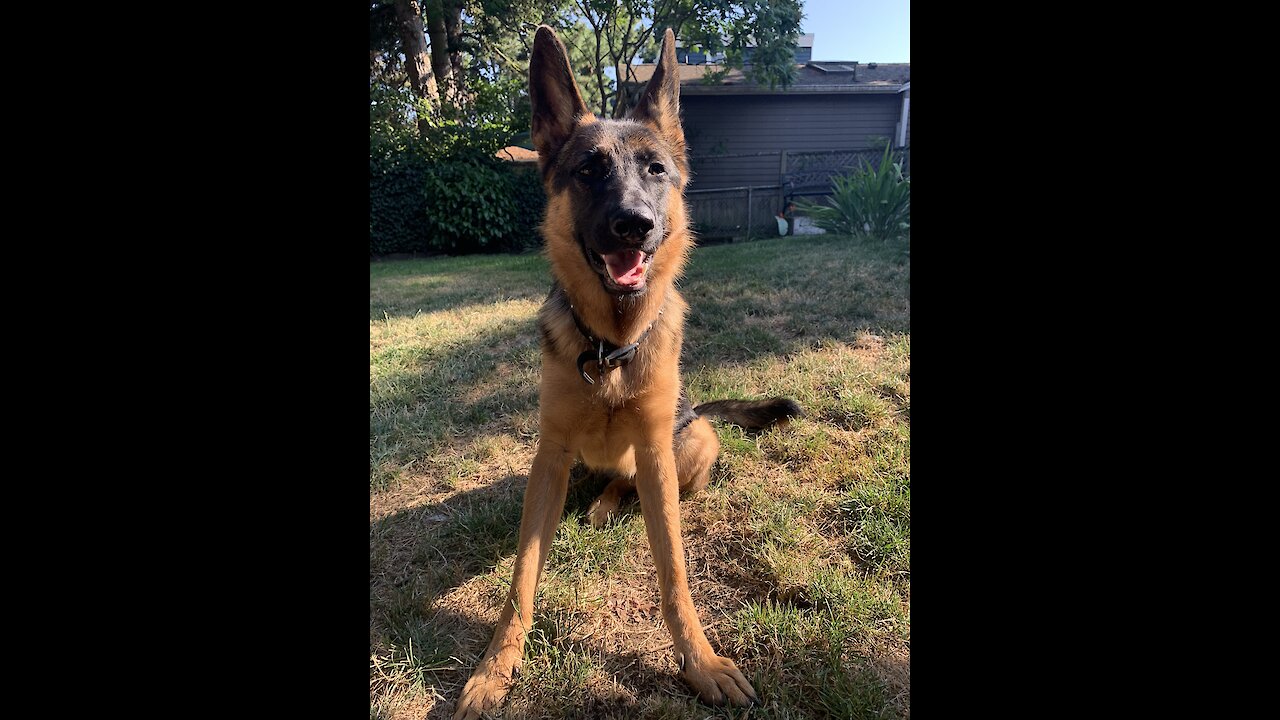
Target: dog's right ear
x=553, y=94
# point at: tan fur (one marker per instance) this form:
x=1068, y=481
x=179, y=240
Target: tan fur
x=624, y=424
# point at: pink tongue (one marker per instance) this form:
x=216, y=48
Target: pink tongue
x=626, y=266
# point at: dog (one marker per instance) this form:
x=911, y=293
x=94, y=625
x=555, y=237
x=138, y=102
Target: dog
x=617, y=237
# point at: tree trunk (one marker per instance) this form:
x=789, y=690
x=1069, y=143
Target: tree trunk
x=453, y=37
x=599, y=63
x=440, y=64
x=409, y=20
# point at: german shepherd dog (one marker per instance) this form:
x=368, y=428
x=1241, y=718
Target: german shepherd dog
x=617, y=238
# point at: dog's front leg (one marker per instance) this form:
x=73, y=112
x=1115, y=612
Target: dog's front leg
x=543, y=504
x=714, y=678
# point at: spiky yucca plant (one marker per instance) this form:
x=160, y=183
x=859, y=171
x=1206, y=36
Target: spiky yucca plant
x=867, y=202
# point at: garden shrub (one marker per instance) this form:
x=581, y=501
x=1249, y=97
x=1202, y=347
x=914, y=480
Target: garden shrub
x=476, y=205
x=397, y=213
x=447, y=192
x=872, y=202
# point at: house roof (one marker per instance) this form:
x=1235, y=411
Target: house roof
x=822, y=76
x=805, y=41
x=517, y=154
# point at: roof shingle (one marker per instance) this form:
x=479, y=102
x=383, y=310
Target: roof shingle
x=838, y=75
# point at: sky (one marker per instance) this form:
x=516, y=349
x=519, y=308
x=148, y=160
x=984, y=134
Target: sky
x=862, y=30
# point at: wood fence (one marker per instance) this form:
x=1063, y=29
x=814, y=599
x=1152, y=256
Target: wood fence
x=748, y=208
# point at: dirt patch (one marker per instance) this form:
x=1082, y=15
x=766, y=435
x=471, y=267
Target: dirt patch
x=893, y=667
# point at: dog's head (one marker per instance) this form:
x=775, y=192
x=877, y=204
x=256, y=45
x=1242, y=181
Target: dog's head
x=613, y=186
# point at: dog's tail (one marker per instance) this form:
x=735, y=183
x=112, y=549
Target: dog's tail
x=753, y=414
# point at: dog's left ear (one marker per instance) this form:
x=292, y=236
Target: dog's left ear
x=659, y=107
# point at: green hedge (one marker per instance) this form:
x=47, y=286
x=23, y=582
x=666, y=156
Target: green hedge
x=464, y=202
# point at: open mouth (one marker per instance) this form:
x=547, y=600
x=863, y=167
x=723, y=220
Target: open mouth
x=624, y=270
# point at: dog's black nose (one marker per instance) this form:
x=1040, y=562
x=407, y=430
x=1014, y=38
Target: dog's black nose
x=635, y=223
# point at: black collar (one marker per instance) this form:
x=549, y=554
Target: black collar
x=606, y=355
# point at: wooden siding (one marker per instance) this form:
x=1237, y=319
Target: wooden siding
x=742, y=124
x=734, y=172
x=726, y=214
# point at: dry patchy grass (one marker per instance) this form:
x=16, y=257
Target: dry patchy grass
x=798, y=552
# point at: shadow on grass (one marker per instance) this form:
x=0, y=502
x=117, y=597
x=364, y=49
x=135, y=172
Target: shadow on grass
x=424, y=400
x=761, y=301
x=431, y=549
x=756, y=301
x=422, y=554
x=407, y=288
x=555, y=693
x=771, y=298
x=419, y=555
x=750, y=300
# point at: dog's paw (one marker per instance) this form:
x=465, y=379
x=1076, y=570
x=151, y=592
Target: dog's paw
x=718, y=680
x=484, y=692
x=602, y=511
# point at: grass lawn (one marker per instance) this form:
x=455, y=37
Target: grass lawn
x=799, y=551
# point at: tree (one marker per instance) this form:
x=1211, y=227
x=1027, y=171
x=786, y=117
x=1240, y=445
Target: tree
x=468, y=59
x=631, y=28
x=463, y=60
x=773, y=29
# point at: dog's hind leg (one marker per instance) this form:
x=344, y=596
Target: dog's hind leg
x=696, y=446
x=603, y=509
x=543, y=503
x=696, y=450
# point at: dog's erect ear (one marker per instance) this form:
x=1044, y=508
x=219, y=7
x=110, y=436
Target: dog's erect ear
x=660, y=104
x=553, y=94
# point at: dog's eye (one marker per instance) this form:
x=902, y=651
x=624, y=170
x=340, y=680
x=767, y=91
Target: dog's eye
x=656, y=169
x=587, y=171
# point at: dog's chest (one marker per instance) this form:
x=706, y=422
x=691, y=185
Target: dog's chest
x=614, y=388
x=606, y=439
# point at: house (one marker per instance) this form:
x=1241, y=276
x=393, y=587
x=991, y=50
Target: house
x=518, y=154
x=782, y=142
x=736, y=130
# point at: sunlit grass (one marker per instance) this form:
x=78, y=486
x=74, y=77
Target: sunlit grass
x=799, y=549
